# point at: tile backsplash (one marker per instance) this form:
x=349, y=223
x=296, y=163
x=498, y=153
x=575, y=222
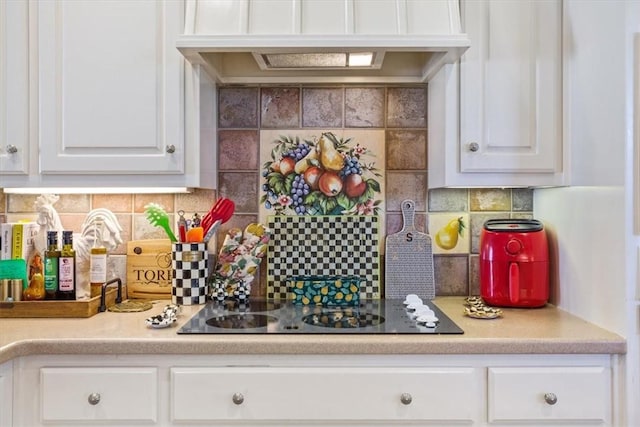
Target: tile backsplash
x=243, y=111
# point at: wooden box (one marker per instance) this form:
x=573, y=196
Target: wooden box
x=51, y=308
x=149, y=269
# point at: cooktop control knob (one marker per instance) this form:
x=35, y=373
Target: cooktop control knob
x=514, y=246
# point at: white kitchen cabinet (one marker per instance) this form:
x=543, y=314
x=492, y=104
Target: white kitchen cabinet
x=14, y=88
x=559, y=394
x=114, y=97
x=328, y=390
x=327, y=394
x=6, y=394
x=497, y=115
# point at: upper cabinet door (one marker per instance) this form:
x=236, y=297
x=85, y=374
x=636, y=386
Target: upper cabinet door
x=14, y=88
x=510, y=87
x=110, y=82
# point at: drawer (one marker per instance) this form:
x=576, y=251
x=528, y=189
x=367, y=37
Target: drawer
x=344, y=393
x=98, y=394
x=581, y=393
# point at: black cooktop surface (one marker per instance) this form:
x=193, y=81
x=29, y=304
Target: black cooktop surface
x=274, y=317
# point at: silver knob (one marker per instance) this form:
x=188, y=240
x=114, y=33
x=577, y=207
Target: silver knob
x=94, y=398
x=474, y=146
x=12, y=149
x=406, y=398
x=171, y=149
x=550, y=398
x=237, y=398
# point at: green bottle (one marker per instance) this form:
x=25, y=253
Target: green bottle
x=67, y=269
x=51, y=258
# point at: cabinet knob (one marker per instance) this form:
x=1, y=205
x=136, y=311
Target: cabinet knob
x=474, y=146
x=171, y=149
x=550, y=398
x=12, y=149
x=237, y=398
x=94, y=398
x=406, y=398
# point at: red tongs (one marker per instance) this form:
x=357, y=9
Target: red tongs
x=221, y=211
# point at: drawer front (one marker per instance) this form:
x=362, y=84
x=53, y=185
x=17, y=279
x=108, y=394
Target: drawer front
x=98, y=394
x=581, y=393
x=200, y=394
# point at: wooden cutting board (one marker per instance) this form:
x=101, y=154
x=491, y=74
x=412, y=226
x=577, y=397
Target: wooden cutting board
x=409, y=260
x=149, y=269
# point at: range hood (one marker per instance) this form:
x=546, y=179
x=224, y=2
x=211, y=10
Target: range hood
x=322, y=41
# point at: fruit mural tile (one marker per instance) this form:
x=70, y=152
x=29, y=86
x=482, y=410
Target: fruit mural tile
x=449, y=232
x=322, y=172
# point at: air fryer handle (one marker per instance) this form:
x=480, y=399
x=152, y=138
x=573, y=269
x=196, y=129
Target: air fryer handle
x=514, y=282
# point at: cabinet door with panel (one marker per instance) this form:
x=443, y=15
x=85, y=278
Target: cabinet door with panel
x=110, y=86
x=562, y=395
x=507, y=128
x=14, y=88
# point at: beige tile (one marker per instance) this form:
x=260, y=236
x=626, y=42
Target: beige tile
x=364, y=107
x=407, y=107
x=242, y=188
x=406, y=149
x=142, y=229
x=22, y=203
x=164, y=200
x=474, y=275
x=448, y=200
x=116, y=203
x=522, y=199
x=3, y=202
x=490, y=199
x=452, y=275
x=200, y=200
x=238, y=107
x=280, y=107
x=322, y=107
x=73, y=222
x=402, y=186
x=238, y=149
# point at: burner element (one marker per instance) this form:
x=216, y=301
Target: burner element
x=241, y=321
x=342, y=318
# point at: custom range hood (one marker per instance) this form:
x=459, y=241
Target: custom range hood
x=322, y=41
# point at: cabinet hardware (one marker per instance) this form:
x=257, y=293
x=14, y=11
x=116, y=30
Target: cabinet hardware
x=474, y=146
x=550, y=398
x=94, y=398
x=237, y=398
x=12, y=149
x=406, y=398
x=171, y=149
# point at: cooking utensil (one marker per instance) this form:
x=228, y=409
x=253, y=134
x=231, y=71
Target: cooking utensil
x=158, y=216
x=409, y=259
x=182, y=226
x=222, y=210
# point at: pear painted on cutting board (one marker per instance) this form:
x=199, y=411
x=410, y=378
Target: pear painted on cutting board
x=447, y=236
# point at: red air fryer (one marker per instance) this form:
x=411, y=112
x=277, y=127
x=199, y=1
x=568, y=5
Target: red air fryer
x=514, y=263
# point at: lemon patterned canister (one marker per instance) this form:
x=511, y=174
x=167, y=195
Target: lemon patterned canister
x=324, y=290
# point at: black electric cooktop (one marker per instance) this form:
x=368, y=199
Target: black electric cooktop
x=275, y=317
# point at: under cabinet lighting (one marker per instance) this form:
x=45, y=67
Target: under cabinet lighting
x=96, y=190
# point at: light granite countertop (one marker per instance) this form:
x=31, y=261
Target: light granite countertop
x=546, y=330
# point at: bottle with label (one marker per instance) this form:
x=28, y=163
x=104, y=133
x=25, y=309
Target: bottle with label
x=67, y=269
x=51, y=260
x=97, y=261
